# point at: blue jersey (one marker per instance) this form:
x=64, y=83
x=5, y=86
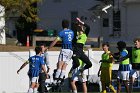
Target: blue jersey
x=66, y=37
x=123, y=67
x=35, y=65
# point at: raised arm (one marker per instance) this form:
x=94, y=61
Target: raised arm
x=87, y=30
x=22, y=66
x=53, y=43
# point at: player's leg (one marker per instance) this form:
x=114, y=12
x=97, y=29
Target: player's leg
x=84, y=87
x=75, y=62
x=125, y=78
x=67, y=56
x=42, y=78
x=63, y=70
x=83, y=79
x=119, y=81
x=119, y=85
x=36, y=88
x=103, y=80
x=126, y=85
x=86, y=60
x=73, y=86
x=109, y=80
x=33, y=84
x=133, y=76
x=59, y=67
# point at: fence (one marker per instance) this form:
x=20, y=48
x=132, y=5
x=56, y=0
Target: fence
x=11, y=82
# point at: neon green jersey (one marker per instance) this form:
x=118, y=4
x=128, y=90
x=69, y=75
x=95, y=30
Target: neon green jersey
x=106, y=57
x=82, y=39
x=126, y=61
x=135, y=55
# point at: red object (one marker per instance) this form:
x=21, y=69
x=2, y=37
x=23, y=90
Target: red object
x=27, y=43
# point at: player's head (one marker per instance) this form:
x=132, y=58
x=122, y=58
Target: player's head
x=121, y=45
x=80, y=29
x=137, y=42
x=105, y=46
x=42, y=45
x=38, y=50
x=65, y=23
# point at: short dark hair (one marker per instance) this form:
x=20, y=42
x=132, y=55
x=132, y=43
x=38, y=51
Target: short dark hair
x=38, y=50
x=105, y=43
x=42, y=44
x=136, y=39
x=79, y=28
x=121, y=44
x=65, y=23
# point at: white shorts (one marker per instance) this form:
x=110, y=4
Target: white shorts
x=124, y=75
x=135, y=73
x=81, y=78
x=34, y=79
x=65, y=55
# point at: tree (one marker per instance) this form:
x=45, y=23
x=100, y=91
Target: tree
x=26, y=11
x=23, y=8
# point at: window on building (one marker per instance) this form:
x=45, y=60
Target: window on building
x=116, y=23
x=105, y=22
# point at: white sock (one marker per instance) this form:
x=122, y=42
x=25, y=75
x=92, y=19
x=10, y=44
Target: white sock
x=74, y=91
x=62, y=74
x=58, y=72
x=35, y=90
x=30, y=90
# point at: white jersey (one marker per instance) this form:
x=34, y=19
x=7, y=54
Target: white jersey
x=46, y=59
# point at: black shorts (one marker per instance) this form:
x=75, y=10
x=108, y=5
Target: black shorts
x=136, y=66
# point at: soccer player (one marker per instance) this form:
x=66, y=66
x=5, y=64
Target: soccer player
x=36, y=63
x=42, y=76
x=82, y=30
x=66, y=36
x=124, y=68
x=106, y=69
x=78, y=76
x=135, y=72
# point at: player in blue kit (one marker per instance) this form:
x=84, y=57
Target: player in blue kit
x=36, y=64
x=66, y=36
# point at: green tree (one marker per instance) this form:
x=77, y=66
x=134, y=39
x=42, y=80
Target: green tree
x=26, y=11
x=23, y=8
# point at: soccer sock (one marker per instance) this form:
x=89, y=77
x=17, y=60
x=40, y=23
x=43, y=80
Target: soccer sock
x=58, y=72
x=30, y=90
x=112, y=88
x=74, y=91
x=104, y=91
x=35, y=90
x=62, y=74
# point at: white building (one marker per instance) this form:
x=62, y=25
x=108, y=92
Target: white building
x=123, y=25
x=2, y=25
